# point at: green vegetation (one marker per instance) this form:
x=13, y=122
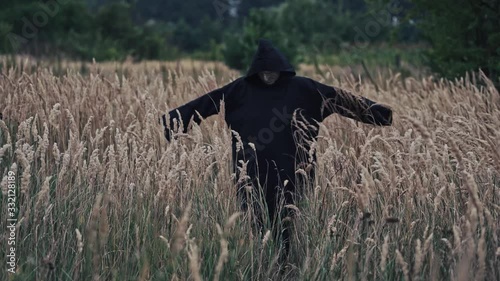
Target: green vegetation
x=452, y=37
x=69, y=29
x=464, y=35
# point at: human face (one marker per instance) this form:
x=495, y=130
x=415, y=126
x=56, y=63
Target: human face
x=269, y=77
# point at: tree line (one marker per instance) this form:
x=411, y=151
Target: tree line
x=458, y=35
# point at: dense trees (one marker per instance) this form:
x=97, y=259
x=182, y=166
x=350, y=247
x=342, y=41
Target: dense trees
x=69, y=28
x=462, y=35
x=303, y=29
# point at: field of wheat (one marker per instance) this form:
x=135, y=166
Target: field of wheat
x=101, y=195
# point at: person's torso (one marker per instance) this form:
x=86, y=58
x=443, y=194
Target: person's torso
x=274, y=118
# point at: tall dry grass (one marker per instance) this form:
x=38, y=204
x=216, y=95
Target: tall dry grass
x=102, y=195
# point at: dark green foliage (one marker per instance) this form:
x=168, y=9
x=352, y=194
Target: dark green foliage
x=68, y=28
x=151, y=29
x=304, y=29
x=463, y=35
x=324, y=25
x=240, y=47
x=191, y=38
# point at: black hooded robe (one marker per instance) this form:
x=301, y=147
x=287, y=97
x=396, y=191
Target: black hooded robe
x=280, y=120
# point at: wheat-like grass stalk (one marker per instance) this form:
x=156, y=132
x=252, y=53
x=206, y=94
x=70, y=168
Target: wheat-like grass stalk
x=429, y=181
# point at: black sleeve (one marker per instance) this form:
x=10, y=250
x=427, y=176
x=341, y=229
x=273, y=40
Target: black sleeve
x=336, y=100
x=204, y=106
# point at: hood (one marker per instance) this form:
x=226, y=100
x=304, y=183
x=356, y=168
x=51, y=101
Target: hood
x=269, y=58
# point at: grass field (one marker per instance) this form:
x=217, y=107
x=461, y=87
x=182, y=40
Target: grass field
x=101, y=195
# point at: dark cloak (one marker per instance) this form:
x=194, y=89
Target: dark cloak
x=281, y=120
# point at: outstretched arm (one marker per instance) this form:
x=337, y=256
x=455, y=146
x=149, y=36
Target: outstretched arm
x=204, y=106
x=336, y=100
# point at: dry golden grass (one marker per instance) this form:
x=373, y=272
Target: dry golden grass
x=103, y=196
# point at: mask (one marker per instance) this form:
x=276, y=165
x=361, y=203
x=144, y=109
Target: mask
x=269, y=77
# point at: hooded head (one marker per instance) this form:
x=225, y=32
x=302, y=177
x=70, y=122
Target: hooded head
x=267, y=62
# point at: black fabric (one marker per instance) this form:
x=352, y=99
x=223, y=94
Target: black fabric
x=268, y=58
x=281, y=120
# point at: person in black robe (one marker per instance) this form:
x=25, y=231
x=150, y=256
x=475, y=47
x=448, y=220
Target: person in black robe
x=275, y=115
